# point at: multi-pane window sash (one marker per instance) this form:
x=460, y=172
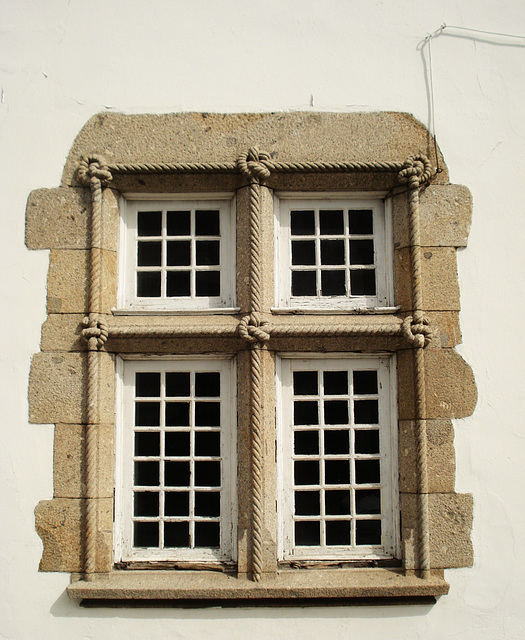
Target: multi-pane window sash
x=337, y=451
x=333, y=253
x=177, y=458
x=178, y=254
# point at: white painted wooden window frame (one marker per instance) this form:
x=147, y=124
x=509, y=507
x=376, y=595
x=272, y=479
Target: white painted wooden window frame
x=127, y=299
x=123, y=533
x=385, y=364
x=383, y=251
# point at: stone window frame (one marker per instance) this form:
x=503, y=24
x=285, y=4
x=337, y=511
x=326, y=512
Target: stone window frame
x=72, y=380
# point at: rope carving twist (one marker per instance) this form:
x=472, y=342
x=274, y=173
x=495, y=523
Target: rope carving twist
x=93, y=168
x=419, y=334
x=416, y=167
x=254, y=165
x=253, y=329
x=95, y=328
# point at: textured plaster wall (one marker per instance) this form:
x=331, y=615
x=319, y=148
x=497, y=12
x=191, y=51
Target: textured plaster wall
x=64, y=61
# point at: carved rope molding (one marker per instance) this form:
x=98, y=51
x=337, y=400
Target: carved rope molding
x=257, y=167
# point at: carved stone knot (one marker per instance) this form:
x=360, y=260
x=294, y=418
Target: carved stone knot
x=418, y=333
x=251, y=163
x=415, y=168
x=95, y=328
x=93, y=168
x=253, y=329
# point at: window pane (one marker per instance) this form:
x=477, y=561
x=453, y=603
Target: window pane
x=207, y=223
x=208, y=504
x=177, y=443
x=146, y=503
x=338, y=533
x=367, y=471
x=147, y=385
x=149, y=223
x=363, y=282
x=208, y=384
x=306, y=442
x=307, y=503
x=176, y=534
x=302, y=223
x=207, y=534
x=366, y=412
x=176, y=474
x=368, y=532
x=178, y=223
x=336, y=442
x=303, y=252
x=147, y=443
x=177, y=383
x=361, y=221
x=177, y=503
x=361, y=252
x=333, y=283
x=304, y=283
x=305, y=412
x=145, y=534
x=207, y=414
x=148, y=284
x=207, y=283
x=332, y=252
x=306, y=472
x=147, y=414
x=149, y=254
x=207, y=252
x=367, y=441
x=335, y=383
x=368, y=501
x=208, y=443
x=307, y=534
x=365, y=382
x=331, y=222
x=337, y=471
x=179, y=253
x=336, y=412
x=208, y=474
x=146, y=474
x=305, y=383
x=177, y=414
x=337, y=502
x=178, y=284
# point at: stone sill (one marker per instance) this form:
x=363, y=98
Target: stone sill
x=304, y=585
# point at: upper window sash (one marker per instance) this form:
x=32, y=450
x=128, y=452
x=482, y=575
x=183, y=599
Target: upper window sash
x=333, y=251
x=177, y=253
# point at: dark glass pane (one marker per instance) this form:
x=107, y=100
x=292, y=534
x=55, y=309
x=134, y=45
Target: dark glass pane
x=368, y=501
x=149, y=254
x=149, y=223
x=176, y=534
x=207, y=252
x=366, y=411
x=208, y=384
x=208, y=283
x=148, y=284
x=304, y=283
x=305, y=383
x=365, y=382
x=331, y=222
x=361, y=221
x=207, y=443
x=336, y=412
x=305, y=412
x=208, y=504
x=368, y=532
x=145, y=534
x=208, y=474
x=336, y=442
x=337, y=471
x=367, y=471
x=147, y=443
x=306, y=442
x=178, y=284
x=306, y=472
x=303, y=252
x=179, y=253
x=176, y=474
x=147, y=385
x=207, y=414
x=307, y=534
x=335, y=383
x=332, y=252
x=177, y=443
x=147, y=474
x=178, y=223
x=333, y=283
x=363, y=282
x=337, y=503
x=177, y=384
x=367, y=441
x=307, y=503
x=177, y=414
x=176, y=503
x=361, y=252
x=207, y=534
x=302, y=223
x=146, y=503
x=207, y=223
x=337, y=533
x=147, y=414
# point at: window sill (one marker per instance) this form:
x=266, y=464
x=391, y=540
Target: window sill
x=215, y=311
x=305, y=585
x=334, y=310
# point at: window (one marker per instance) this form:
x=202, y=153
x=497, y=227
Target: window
x=333, y=252
x=177, y=254
x=176, y=497
x=338, y=471
x=275, y=449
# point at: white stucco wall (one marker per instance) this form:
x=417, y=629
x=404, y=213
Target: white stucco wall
x=62, y=61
